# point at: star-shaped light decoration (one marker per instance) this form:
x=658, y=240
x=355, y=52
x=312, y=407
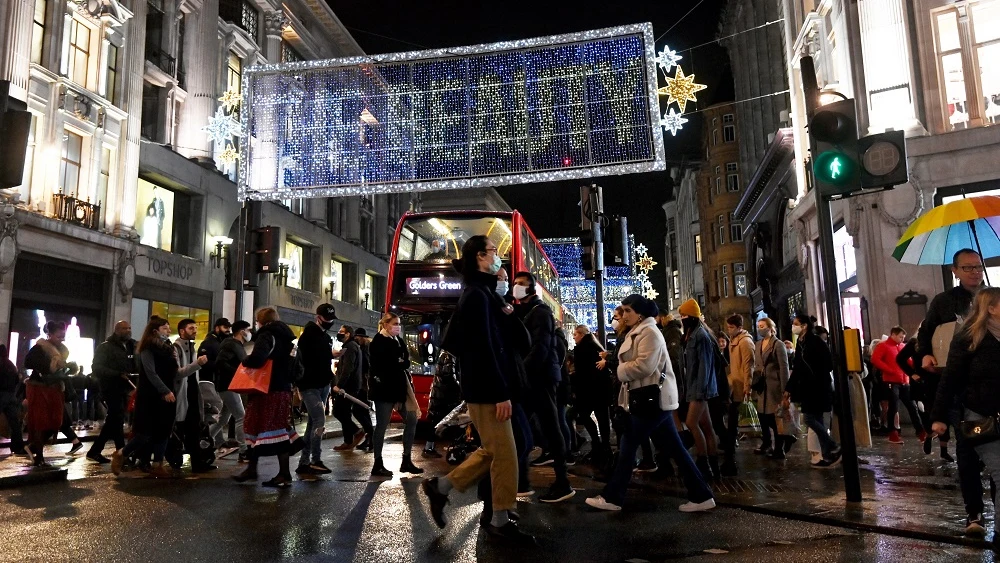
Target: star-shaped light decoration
x=667, y=59
x=652, y=294
x=645, y=263
x=681, y=89
x=222, y=128
x=672, y=121
x=641, y=249
x=228, y=157
x=230, y=99
x=642, y=277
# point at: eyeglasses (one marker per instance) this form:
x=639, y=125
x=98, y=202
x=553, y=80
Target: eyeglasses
x=491, y=250
x=971, y=269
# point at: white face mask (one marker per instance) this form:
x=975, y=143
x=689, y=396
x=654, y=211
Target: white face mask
x=501, y=287
x=520, y=292
x=796, y=330
x=614, y=324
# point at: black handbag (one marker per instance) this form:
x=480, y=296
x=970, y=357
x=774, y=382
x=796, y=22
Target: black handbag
x=982, y=431
x=644, y=402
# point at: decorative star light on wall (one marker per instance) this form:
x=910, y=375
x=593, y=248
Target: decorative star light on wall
x=222, y=128
x=644, y=263
x=229, y=156
x=641, y=249
x=681, y=89
x=230, y=100
x=672, y=121
x=667, y=59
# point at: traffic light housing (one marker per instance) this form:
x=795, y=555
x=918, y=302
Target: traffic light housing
x=588, y=258
x=883, y=160
x=616, y=251
x=15, y=126
x=834, y=132
x=264, y=250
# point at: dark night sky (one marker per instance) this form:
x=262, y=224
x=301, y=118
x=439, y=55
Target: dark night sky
x=385, y=26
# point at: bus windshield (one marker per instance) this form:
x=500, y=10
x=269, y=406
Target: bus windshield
x=440, y=239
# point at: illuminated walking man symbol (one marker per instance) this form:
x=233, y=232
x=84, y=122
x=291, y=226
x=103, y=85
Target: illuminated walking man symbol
x=835, y=168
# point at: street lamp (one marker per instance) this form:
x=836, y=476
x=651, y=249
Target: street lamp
x=221, y=242
x=366, y=293
x=331, y=286
x=282, y=276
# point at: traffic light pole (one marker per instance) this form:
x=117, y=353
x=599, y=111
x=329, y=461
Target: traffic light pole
x=828, y=260
x=599, y=278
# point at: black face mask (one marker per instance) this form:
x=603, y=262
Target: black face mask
x=690, y=324
x=341, y=337
x=326, y=325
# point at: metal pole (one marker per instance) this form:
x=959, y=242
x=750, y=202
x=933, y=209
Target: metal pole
x=241, y=259
x=596, y=213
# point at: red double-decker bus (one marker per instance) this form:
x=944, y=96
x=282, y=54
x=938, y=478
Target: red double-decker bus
x=423, y=288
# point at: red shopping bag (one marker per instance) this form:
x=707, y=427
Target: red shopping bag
x=252, y=380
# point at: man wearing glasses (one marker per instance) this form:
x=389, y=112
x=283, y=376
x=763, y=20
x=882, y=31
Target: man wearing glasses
x=951, y=306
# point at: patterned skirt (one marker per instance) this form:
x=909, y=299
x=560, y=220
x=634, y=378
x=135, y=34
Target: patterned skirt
x=267, y=426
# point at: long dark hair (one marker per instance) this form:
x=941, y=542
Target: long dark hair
x=807, y=321
x=150, y=334
x=468, y=264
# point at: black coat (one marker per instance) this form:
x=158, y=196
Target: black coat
x=210, y=349
x=446, y=393
x=542, y=362
x=592, y=386
x=112, y=358
x=315, y=354
x=971, y=377
x=390, y=362
x=946, y=307
x=811, y=384
x=231, y=355
x=274, y=341
x=349, y=367
x=475, y=337
x=154, y=416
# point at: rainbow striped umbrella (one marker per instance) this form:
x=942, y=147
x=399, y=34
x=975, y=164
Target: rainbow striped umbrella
x=936, y=236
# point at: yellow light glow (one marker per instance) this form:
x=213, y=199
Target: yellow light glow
x=681, y=89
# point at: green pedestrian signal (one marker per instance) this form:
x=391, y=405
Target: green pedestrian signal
x=834, y=167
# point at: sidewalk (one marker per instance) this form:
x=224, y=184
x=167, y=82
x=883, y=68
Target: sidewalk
x=904, y=492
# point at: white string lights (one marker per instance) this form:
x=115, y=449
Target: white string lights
x=645, y=264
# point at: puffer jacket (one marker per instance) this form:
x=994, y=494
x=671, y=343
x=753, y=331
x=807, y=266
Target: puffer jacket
x=641, y=359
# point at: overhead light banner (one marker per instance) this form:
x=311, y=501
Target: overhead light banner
x=563, y=107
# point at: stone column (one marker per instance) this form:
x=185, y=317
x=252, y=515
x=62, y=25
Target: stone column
x=201, y=57
x=273, y=22
x=122, y=213
x=15, y=45
x=352, y=230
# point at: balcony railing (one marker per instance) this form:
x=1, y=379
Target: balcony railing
x=161, y=59
x=83, y=213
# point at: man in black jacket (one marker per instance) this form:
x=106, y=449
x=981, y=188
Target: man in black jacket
x=210, y=348
x=231, y=354
x=950, y=306
x=544, y=374
x=114, y=362
x=315, y=353
x=350, y=365
x=10, y=406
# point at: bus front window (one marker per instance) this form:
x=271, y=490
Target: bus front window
x=440, y=239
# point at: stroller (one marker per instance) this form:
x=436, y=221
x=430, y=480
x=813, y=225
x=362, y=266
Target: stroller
x=175, y=444
x=457, y=427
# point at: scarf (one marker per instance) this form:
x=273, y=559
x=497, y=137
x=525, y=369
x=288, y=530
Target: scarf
x=994, y=327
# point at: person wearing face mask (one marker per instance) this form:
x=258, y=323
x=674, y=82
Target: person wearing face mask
x=700, y=356
x=741, y=369
x=811, y=385
x=476, y=338
x=390, y=389
x=350, y=375
x=771, y=367
x=232, y=351
x=315, y=353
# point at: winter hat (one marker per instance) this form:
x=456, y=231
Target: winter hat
x=641, y=305
x=690, y=308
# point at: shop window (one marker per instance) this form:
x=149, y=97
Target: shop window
x=177, y=313
x=69, y=166
x=38, y=31
x=336, y=281
x=969, y=52
x=111, y=74
x=158, y=211
x=79, y=52
x=368, y=297
x=697, y=249
x=294, y=257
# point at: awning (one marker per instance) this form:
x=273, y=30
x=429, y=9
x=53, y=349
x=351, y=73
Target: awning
x=764, y=185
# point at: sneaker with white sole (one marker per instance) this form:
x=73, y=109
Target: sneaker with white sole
x=557, y=494
x=599, y=502
x=697, y=506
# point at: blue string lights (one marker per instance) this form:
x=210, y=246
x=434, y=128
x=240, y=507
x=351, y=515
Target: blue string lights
x=572, y=106
x=579, y=295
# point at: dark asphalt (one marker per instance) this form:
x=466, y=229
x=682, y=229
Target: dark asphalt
x=344, y=517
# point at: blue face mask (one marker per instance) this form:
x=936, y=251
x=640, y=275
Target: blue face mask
x=495, y=266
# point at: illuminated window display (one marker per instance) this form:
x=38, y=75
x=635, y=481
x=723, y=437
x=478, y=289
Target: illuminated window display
x=154, y=215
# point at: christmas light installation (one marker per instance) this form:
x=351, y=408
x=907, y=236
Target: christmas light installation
x=230, y=100
x=681, y=89
x=644, y=263
x=222, y=128
x=672, y=121
x=571, y=106
x=667, y=59
x=228, y=157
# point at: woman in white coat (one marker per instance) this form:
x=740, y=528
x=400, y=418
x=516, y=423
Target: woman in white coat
x=643, y=363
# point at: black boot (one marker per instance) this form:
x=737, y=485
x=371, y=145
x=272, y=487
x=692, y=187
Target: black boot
x=779, y=448
x=713, y=463
x=702, y=464
x=728, y=468
x=408, y=467
x=379, y=470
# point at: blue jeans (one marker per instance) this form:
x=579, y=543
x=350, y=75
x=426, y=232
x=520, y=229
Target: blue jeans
x=826, y=443
x=524, y=442
x=383, y=414
x=314, y=400
x=640, y=430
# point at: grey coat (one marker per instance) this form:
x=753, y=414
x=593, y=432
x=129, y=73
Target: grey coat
x=774, y=365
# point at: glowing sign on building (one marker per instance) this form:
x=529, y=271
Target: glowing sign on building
x=551, y=108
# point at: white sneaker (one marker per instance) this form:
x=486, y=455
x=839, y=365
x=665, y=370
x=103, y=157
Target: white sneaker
x=599, y=502
x=697, y=506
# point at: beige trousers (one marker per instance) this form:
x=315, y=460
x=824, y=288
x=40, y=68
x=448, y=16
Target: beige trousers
x=497, y=456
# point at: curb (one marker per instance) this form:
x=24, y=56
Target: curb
x=33, y=477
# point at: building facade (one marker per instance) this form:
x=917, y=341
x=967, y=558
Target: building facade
x=924, y=67
x=684, y=244
x=719, y=190
x=126, y=207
